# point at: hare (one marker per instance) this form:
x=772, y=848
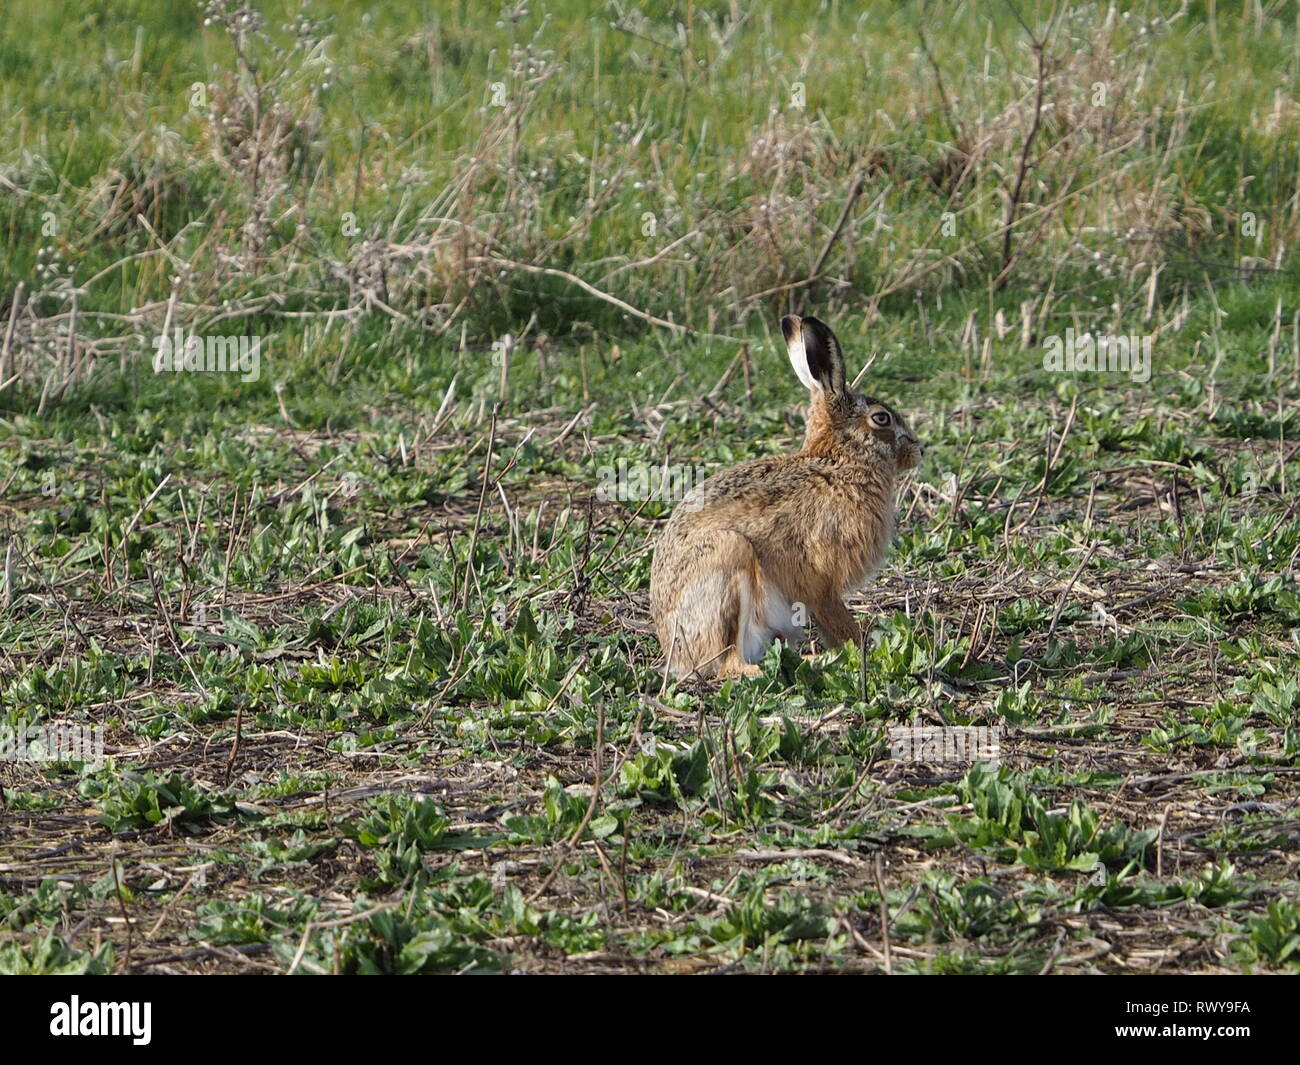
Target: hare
x=755, y=548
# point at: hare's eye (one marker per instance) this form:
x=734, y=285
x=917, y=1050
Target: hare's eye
x=881, y=418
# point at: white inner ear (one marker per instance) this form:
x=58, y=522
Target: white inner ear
x=799, y=360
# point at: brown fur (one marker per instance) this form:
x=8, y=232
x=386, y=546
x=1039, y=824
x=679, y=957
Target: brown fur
x=777, y=532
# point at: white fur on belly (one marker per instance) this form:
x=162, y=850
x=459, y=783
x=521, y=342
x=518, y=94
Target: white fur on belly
x=759, y=627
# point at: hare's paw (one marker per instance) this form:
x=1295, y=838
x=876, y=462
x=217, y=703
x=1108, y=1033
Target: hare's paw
x=735, y=666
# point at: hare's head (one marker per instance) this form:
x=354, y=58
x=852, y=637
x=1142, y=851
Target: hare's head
x=841, y=419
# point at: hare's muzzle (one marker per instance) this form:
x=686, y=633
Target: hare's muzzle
x=910, y=452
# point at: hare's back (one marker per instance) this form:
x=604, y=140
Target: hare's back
x=762, y=484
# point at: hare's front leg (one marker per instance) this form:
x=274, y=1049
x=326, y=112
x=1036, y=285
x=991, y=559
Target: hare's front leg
x=834, y=622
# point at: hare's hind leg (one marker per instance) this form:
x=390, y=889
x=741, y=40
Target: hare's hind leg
x=713, y=627
x=735, y=666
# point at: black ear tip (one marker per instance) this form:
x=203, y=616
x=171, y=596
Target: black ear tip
x=789, y=326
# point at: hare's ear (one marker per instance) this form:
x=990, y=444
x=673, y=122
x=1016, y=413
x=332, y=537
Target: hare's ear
x=814, y=353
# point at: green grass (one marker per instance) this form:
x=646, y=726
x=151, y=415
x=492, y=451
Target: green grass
x=372, y=656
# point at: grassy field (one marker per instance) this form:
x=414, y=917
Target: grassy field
x=370, y=648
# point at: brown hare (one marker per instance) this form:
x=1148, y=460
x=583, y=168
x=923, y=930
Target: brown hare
x=753, y=550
